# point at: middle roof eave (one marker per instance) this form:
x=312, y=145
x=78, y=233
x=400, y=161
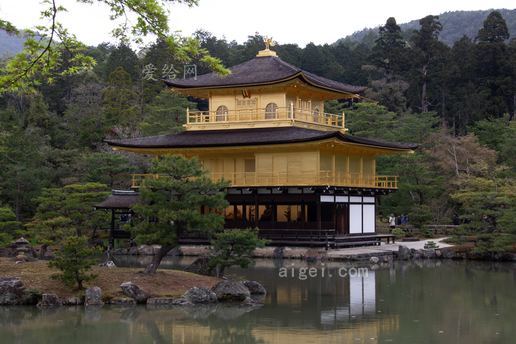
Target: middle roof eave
x=249, y=137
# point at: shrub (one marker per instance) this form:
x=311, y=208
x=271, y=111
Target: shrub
x=74, y=259
x=398, y=232
x=234, y=247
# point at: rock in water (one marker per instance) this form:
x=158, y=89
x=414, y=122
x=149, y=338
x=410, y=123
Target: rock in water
x=133, y=291
x=93, y=297
x=403, y=252
x=231, y=291
x=255, y=288
x=200, y=295
x=12, y=291
x=49, y=301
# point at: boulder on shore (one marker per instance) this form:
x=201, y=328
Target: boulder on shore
x=49, y=300
x=93, y=297
x=201, y=266
x=197, y=295
x=133, y=291
x=255, y=288
x=231, y=291
x=12, y=291
x=403, y=252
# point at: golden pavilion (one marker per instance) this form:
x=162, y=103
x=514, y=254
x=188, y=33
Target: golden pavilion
x=295, y=171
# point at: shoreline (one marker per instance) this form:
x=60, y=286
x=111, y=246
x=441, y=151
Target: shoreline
x=409, y=250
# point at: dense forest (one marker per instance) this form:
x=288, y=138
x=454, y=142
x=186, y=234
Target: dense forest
x=457, y=102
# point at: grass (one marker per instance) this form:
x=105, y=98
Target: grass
x=37, y=275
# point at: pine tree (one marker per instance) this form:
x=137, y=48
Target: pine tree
x=75, y=258
x=171, y=204
x=234, y=247
x=389, y=51
x=428, y=55
x=495, y=73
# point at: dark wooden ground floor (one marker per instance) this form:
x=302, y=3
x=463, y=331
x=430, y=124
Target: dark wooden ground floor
x=331, y=217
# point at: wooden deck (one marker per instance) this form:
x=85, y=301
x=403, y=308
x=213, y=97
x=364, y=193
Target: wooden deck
x=299, y=237
x=309, y=237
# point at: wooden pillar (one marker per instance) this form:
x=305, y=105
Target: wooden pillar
x=319, y=212
x=111, y=243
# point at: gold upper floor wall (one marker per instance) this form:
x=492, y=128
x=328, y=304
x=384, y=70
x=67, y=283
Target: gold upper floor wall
x=287, y=104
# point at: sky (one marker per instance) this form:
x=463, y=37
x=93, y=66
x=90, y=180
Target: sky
x=287, y=21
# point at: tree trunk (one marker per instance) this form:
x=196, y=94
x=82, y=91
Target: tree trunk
x=424, y=103
x=156, y=260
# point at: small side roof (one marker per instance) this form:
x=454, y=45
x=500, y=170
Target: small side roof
x=263, y=70
x=119, y=199
x=250, y=137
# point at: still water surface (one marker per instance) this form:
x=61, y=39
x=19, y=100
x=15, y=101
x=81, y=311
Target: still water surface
x=427, y=302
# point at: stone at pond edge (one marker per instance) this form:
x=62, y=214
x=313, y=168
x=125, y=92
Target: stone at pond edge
x=122, y=301
x=374, y=260
x=255, y=288
x=12, y=291
x=403, y=252
x=49, y=300
x=197, y=295
x=133, y=291
x=93, y=297
x=231, y=291
x=167, y=301
x=72, y=301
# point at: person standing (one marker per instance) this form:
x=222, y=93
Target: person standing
x=392, y=222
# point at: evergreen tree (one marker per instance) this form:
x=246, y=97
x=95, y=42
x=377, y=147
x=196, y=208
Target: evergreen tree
x=75, y=203
x=427, y=57
x=9, y=227
x=234, y=247
x=495, y=74
x=120, y=102
x=389, y=52
x=75, y=258
x=165, y=114
x=123, y=57
x=171, y=204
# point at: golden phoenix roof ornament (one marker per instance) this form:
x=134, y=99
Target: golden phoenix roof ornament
x=268, y=42
x=267, y=51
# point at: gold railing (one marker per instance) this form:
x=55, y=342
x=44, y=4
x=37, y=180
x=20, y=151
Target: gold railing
x=245, y=179
x=264, y=115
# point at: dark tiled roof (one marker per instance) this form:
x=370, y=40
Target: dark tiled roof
x=262, y=70
x=119, y=200
x=248, y=137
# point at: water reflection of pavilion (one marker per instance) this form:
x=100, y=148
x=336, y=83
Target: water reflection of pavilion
x=362, y=301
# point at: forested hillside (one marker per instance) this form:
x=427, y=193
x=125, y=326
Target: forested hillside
x=10, y=44
x=456, y=24
x=457, y=102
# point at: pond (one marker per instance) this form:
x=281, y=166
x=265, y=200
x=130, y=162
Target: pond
x=407, y=302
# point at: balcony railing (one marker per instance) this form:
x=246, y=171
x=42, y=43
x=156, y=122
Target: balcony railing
x=248, y=179
x=265, y=115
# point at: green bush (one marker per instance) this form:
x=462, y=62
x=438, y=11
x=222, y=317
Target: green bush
x=234, y=247
x=74, y=259
x=398, y=232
